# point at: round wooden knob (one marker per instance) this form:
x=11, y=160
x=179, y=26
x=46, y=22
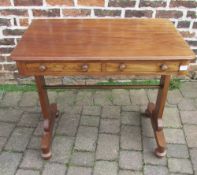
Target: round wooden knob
x=122, y=67
x=42, y=68
x=163, y=67
x=84, y=67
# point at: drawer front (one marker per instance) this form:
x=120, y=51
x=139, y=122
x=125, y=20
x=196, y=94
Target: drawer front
x=143, y=67
x=50, y=68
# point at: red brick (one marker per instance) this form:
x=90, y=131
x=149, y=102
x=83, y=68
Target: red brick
x=187, y=34
x=138, y=13
x=120, y=3
x=46, y=13
x=184, y=3
x=91, y=2
x=102, y=13
x=60, y=2
x=76, y=12
x=23, y=21
x=5, y=22
x=5, y=3
x=28, y=2
x=14, y=32
x=169, y=14
x=195, y=25
x=192, y=14
x=7, y=41
x=183, y=24
x=10, y=67
x=145, y=3
x=16, y=12
x=2, y=58
x=6, y=50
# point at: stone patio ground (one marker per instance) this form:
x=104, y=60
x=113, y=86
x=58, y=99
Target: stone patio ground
x=99, y=132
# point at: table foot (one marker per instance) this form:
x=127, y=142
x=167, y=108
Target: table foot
x=159, y=153
x=157, y=126
x=48, y=131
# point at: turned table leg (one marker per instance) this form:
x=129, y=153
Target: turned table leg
x=49, y=112
x=155, y=112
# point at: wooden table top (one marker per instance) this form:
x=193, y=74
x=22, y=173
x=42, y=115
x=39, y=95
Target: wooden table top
x=101, y=39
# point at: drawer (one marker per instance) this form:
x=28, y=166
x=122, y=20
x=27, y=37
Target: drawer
x=61, y=68
x=143, y=66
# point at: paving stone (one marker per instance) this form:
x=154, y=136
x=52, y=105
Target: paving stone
x=83, y=159
x=193, y=154
x=130, y=118
x=32, y=160
x=19, y=139
x=2, y=142
x=147, y=129
x=66, y=98
x=107, y=147
x=171, y=118
x=105, y=168
x=187, y=105
x=1, y=95
x=150, y=158
x=188, y=90
x=174, y=136
x=72, y=109
x=79, y=171
x=39, y=129
x=61, y=149
x=34, y=143
x=68, y=124
x=149, y=145
x=103, y=98
x=177, y=151
x=121, y=97
x=180, y=165
x=11, y=99
x=130, y=137
x=189, y=117
x=52, y=96
x=111, y=112
x=10, y=115
x=9, y=162
x=29, y=99
x=191, y=133
x=29, y=120
x=27, y=172
x=130, y=160
x=152, y=95
x=54, y=169
x=131, y=108
x=91, y=110
x=174, y=96
x=127, y=172
x=138, y=97
x=155, y=170
x=109, y=126
x=6, y=129
x=89, y=120
x=84, y=98
x=86, y=138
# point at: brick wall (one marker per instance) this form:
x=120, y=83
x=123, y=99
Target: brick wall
x=16, y=15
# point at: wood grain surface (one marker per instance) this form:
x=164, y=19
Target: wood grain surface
x=102, y=39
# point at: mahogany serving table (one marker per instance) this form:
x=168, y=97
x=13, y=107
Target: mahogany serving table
x=61, y=47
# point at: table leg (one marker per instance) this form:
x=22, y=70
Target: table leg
x=155, y=112
x=49, y=112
